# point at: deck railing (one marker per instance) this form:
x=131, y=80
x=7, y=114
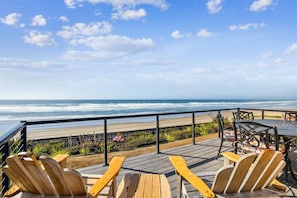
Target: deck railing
x=15, y=139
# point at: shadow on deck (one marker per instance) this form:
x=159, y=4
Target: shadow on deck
x=200, y=157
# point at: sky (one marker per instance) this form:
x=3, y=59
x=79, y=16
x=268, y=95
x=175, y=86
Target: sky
x=148, y=49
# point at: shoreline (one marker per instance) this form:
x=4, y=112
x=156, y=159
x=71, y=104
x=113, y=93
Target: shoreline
x=49, y=133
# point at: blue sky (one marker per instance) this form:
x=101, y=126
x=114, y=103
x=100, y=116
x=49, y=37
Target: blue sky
x=150, y=49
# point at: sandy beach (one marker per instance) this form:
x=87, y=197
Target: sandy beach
x=183, y=120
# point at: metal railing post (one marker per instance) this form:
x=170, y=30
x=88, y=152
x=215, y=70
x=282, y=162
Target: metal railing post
x=193, y=128
x=24, y=138
x=219, y=134
x=262, y=114
x=5, y=179
x=157, y=134
x=105, y=142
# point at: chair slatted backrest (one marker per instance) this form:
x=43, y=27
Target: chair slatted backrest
x=222, y=176
x=248, y=175
x=254, y=136
x=239, y=173
x=272, y=170
x=37, y=174
x=46, y=177
x=75, y=182
x=243, y=115
x=251, y=172
x=56, y=174
x=291, y=116
x=19, y=174
x=265, y=169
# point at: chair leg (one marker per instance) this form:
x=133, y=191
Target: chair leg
x=221, y=145
x=179, y=186
x=113, y=187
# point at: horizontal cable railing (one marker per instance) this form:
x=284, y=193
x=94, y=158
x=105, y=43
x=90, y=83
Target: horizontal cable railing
x=15, y=139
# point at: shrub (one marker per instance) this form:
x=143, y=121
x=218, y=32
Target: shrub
x=74, y=150
x=169, y=137
x=141, y=140
x=206, y=128
x=57, y=146
x=41, y=149
x=111, y=146
x=94, y=147
x=84, y=151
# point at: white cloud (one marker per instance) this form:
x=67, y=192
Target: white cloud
x=115, y=42
x=184, y=76
x=204, y=33
x=82, y=29
x=291, y=49
x=247, y=26
x=151, y=61
x=259, y=5
x=116, y=3
x=70, y=3
x=129, y=14
x=214, y=6
x=280, y=61
x=64, y=18
x=176, y=34
x=266, y=55
x=111, y=46
x=23, y=64
x=11, y=19
x=38, y=20
x=37, y=38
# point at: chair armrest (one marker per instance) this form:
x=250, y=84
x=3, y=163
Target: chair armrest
x=230, y=157
x=182, y=169
x=111, y=173
x=61, y=159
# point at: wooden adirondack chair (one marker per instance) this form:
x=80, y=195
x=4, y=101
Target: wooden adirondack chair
x=251, y=176
x=46, y=178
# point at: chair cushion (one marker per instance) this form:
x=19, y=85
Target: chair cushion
x=229, y=135
x=246, y=148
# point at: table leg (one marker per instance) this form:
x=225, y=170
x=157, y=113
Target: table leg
x=289, y=167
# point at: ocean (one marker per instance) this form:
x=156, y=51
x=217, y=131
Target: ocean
x=17, y=110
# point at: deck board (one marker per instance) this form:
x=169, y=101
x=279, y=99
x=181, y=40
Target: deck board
x=200, y=157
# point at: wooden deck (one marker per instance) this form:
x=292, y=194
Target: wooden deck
x=200, y=157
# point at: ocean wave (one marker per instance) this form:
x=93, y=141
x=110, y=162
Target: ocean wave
x=88, y=107
x=47, y=109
